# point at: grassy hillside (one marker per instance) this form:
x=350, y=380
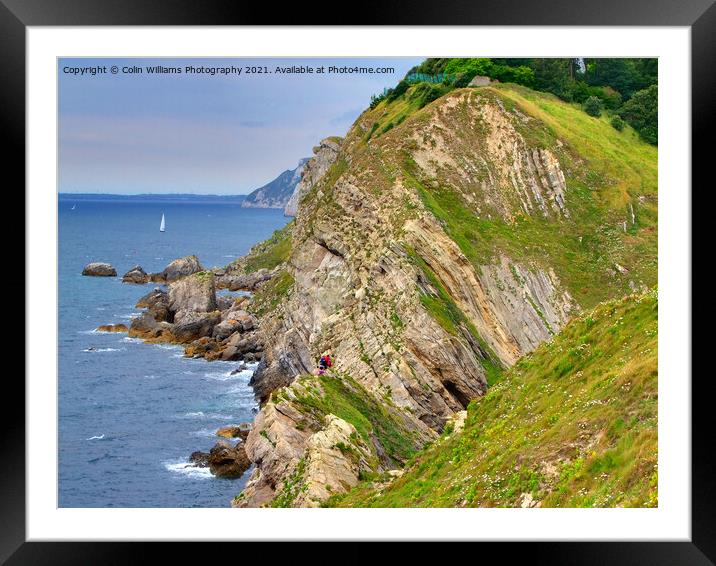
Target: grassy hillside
x=608, y=245
x=574, y=424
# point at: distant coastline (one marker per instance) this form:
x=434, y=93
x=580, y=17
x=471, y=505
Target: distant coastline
x=151, y=197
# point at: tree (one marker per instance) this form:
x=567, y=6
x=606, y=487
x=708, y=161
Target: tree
x=641, y=113
x=593, y=106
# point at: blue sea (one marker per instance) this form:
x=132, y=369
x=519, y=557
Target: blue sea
x=131, y=413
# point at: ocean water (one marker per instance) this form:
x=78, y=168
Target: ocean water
x=131, y=413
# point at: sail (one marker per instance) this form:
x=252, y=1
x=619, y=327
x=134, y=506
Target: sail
x=161, y=226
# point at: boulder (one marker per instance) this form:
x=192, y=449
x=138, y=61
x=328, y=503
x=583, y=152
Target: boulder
x=154, y=296
x=241, y=431
x=227, y=461
x=224, y=303
x=195, y=294
x=146, y=327
x=99, y=269
x=240, y=345
x=194, y=325
x=201, y=459
x=112, y=328
x=157, y=304
x=178, y=268
x=136, y=275
x=225, y=329
x=204, y=346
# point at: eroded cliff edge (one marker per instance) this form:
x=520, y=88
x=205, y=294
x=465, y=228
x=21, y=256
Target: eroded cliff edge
x=431, y=248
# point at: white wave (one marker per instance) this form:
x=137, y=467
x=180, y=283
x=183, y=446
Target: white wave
x=136, y=340
x=170, y=346
x=196, y=414
x=103, y=349
x=221, y=375
x=188, y=469
x=100, y=437
x=129, y=316
x=93, y=331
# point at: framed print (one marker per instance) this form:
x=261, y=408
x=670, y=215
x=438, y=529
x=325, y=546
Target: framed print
x=424, y=280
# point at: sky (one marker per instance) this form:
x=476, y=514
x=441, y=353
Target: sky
x=131, y=133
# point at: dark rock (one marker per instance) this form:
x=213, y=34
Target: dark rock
x=99, y=269
x=136, y=275
x=201, y=459
x=227, y=461
x=154, y=297
x=241, y=344
x=195, y=325
x=224, y=303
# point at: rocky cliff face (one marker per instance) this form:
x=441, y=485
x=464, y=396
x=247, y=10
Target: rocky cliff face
x=276, y=193
x=323, y=157
x=423, y=258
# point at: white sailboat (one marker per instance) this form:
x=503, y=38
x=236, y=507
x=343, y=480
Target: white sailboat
x=161, y=226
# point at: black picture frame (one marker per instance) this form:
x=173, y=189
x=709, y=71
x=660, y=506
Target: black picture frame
x=17, y=15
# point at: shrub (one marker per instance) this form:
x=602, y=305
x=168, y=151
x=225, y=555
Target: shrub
x=618, y=123
x=593, y=106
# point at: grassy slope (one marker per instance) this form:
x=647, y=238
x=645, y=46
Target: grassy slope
x=609, y=174
x=573, y=424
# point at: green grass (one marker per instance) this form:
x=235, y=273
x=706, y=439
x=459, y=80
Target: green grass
x=270, y=253
x=606, y=172
x=342, y=396
x=574, y=424
x=271, y=293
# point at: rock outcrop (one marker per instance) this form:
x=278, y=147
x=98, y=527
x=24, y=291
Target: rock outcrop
x=136, y=275
x=228, y=461
x=177, y=269
x=99, y=269
x=223, y=460
x=323, y=157
x=189, y=313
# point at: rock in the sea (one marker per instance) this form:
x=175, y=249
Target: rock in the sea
x=112, y=328
x=195, y=294
x=136, y=275
x=178, y=268
x=241, y=431
x=227, y=461
x=147, y=327
x=99, y=269
x=157, y=304
x=201, y=459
